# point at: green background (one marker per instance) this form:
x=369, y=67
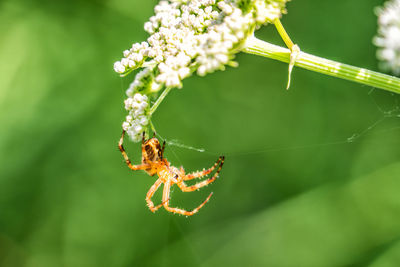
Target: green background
x=311, y=176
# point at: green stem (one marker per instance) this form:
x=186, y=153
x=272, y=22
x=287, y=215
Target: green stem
x=282, y=32
x=325, y=66
x=159, y=100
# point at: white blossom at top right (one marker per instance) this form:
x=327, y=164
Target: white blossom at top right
x=388, y=38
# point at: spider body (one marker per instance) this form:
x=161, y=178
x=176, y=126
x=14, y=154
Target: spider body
x=154, y=162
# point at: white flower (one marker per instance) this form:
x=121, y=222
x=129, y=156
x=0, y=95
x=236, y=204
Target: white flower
x=143, y=80
x=388, y=37
x=138, y=119
x=118, y=67
x=196, y=35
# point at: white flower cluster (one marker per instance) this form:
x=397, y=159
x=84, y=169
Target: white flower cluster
x=388, y=38
x=196, y=35
x=144, y=81
x=137, y=120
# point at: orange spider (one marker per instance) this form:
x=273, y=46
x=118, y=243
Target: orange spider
x=153, y=162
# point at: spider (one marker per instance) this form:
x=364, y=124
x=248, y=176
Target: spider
x=154, y=162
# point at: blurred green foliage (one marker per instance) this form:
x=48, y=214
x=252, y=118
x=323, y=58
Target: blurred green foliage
x=294, y=191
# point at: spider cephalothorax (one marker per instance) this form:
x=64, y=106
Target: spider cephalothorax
x=153, y=162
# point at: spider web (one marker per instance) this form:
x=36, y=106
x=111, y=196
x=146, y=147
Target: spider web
x=387, y=111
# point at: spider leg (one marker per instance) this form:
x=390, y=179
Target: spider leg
x=167, y=187
x=197, y=186
x=150, y=194
x=127, y=160
x=200, y=174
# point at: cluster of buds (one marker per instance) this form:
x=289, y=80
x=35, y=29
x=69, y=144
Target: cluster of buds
x=388, y=38
x=137, y=120
x=193, y=36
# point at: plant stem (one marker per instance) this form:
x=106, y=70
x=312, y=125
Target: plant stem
x=325, y=66
x=159, y=100
x=282, y=32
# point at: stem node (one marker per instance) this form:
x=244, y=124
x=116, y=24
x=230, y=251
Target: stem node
x=325, y=66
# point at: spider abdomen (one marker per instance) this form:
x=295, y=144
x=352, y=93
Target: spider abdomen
x=151, y=151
